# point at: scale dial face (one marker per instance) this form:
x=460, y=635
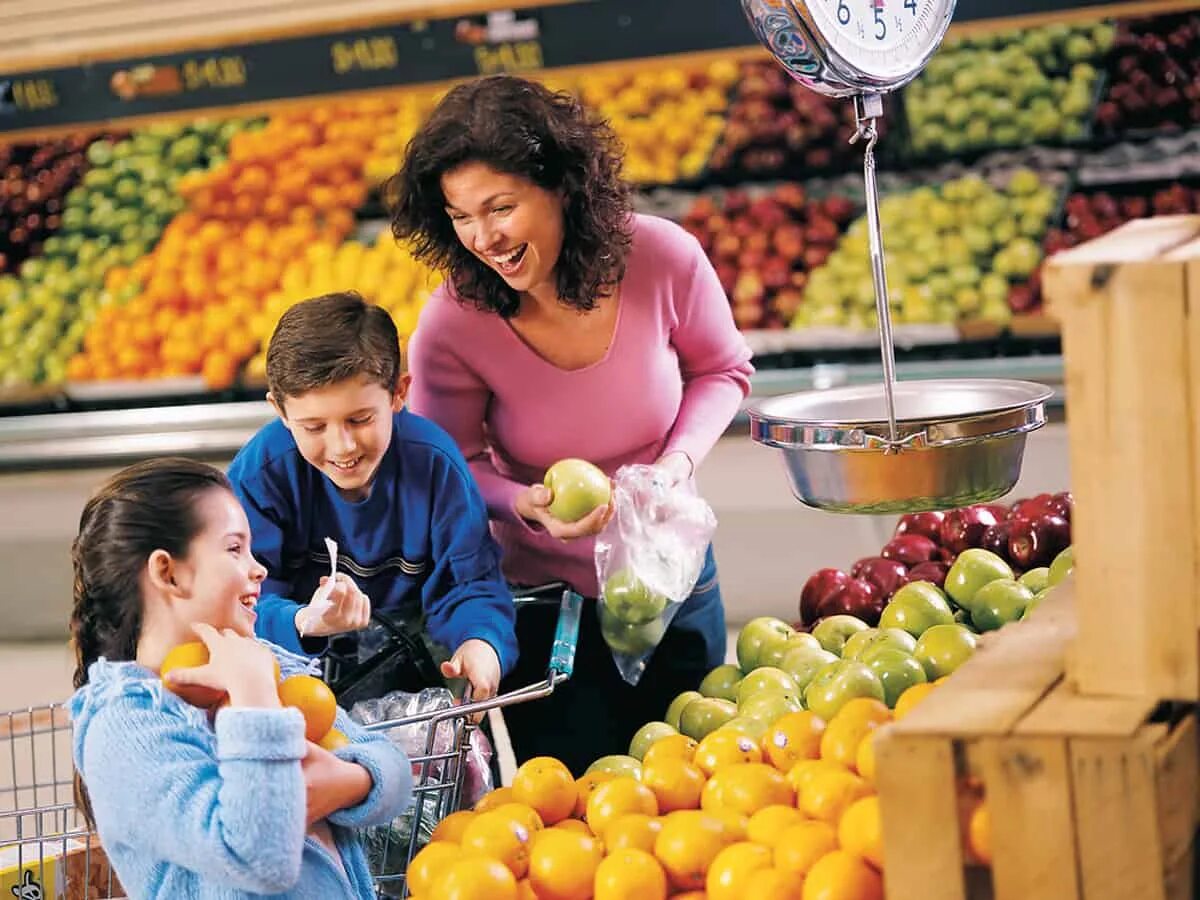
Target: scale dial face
x=844, y=47
x=885, y=39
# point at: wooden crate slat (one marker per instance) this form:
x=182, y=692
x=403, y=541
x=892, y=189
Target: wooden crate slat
x=1177, y=764
x=1064, y=712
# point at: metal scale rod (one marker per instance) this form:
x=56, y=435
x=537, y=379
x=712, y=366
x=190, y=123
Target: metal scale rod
x=868, y=108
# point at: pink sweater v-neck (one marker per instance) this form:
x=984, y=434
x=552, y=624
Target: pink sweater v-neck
x=672, y=379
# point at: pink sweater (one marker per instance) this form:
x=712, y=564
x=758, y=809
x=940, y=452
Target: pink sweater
x=672, y=379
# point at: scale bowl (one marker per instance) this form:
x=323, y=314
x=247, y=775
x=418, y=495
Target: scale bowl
x=959, y=441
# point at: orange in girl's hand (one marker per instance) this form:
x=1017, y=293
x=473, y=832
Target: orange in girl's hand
x=190, y=656
x=333, y=739
x=315, y=701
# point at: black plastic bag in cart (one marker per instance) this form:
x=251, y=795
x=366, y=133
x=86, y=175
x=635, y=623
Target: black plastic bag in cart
x=648, y=559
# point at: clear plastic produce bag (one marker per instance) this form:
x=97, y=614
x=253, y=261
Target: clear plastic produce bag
x=648, y=559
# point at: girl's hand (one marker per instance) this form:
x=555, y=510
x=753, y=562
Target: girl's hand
x=240, y=666
x=331, y=783
x=533, y=504
x=348, y=609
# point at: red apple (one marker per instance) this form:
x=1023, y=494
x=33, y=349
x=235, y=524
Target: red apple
x=963, y=528
x=1035, y=542
x=820, y=584
x=857, y=597
x=909, y=549
x=884, y=574
x=932, y=571
x=996, y=539
x=1031, y=507
x=928, y=524
x=1063, y=504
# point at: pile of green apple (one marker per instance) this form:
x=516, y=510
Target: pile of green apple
x=1008, y=89
x=112, y=218
x=952, y=253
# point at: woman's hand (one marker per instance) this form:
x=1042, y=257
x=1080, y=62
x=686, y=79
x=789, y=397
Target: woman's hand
x=533, y=504
x=676, y=467
x=240, y=666
x=331, y=783
x=347, y=609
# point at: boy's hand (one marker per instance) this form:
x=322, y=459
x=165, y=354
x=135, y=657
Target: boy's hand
x=476, y=661
x=347, y=609
x=533, y=504
x=332, y=783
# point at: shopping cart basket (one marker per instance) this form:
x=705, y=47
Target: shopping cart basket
x=47, y=850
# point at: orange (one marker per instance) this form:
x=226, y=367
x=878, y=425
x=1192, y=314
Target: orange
x=474, y=878
x=495, y=798
x=725, y=747
x=430, y=862
x=677, y=784
x=736, y=824
x=190, y=656
x=519, y=812
x=690, y=895
x=910, y=698
x=495, y=835
x=864, y=708
x=746, y=788
x=563, y=865
x=630, y=875
x=864, y=757
x=727, y=876
x=334, y=739
x=768, y=823
x=452, y=827
x=804, y=771
x=584, y=785
x=636, y=831
x=828, y=795
x=576, y=825
x=524, y=891
x=774, y=884
x=842, y=876
x=314, y=699
x=675, y=746
x=793, y=737
x=800, y=846
x=842, y=736
x=979, y=833
x=547, y=785
x=687, y=845
x=860, y=831
x=615, y=798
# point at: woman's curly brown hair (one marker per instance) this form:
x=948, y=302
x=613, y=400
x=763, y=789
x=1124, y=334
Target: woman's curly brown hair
x=521, y=128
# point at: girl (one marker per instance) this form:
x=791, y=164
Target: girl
x=185, y=809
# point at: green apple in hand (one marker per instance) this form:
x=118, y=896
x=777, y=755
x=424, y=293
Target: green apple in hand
x=576, y=487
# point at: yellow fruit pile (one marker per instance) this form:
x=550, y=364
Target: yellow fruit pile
x=387, y=151
x=667, y=118
x=384, y=273
x=792, y=815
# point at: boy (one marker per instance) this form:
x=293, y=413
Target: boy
x=345, y=460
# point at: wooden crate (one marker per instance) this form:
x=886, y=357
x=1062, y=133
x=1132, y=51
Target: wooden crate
x=1089, y=798
x=1129, y=306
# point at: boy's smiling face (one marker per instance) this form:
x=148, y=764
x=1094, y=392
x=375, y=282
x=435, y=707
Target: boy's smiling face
x=344, y=429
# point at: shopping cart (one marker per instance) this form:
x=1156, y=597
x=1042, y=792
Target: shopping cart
x=47, y=850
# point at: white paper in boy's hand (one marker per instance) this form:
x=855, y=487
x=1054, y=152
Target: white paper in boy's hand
x=320, y=601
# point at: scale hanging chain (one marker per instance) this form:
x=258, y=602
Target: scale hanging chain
x=867, y=109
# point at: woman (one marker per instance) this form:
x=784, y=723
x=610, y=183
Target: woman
x=568, y=326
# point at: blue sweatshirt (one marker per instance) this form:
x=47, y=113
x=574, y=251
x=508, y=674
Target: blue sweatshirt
x=189, y=811
x=419, y=545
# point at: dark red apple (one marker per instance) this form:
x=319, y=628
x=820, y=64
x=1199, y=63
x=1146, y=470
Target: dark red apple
x=1035, y=542
x=1063, y=504
x=820, y=584
x=996, y=539
x=1031, y=507
x=928, y=524
x=858, y=598
x=963, y=528
x=885, y=574
x=909, y=549
x=932, y=571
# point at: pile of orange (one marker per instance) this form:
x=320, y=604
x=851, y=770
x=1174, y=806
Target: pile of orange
x=289, y=186
x=790, y=816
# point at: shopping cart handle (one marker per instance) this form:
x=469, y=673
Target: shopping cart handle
x=566, y=634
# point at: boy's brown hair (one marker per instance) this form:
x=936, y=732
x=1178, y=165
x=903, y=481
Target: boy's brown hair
x=329, y=339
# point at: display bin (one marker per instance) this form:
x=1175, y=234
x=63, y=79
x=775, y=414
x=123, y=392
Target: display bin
x=1129, y=306
x=1089, y=798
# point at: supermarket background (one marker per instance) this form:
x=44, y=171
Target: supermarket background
x=173, y=176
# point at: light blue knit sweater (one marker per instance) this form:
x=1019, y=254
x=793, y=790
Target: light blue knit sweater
x=186, y=810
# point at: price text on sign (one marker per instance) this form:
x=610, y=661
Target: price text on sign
x=364, y=54
x=214, y=72
x=518, y=56
x=34, y=93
